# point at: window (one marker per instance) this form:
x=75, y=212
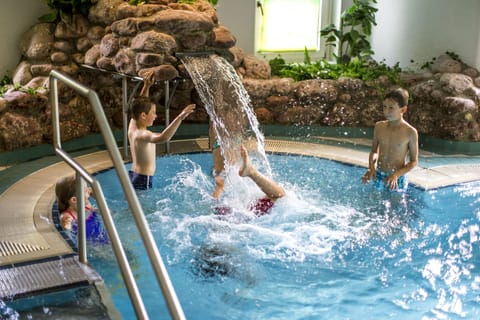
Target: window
x=287, y=27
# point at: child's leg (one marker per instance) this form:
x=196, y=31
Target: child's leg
x=219, y=184
x=267, y=185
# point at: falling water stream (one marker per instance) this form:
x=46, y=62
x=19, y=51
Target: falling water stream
x=228, y=106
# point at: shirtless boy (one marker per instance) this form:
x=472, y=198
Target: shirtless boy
x=393, y=140
x=142, y=141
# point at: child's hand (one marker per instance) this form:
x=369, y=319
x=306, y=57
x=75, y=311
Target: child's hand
x=66, y=221
x=89, y=193
x=149, y=77
x=392, y=181
x=148, y=80
x=187, y=111
x=368, y=176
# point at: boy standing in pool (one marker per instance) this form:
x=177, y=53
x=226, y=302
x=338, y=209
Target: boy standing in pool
x=393, y=140
x=142, y=141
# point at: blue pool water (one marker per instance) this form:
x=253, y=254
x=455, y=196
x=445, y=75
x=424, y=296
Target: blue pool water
x=331, y=249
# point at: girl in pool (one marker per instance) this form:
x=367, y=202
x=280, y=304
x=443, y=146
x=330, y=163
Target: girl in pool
x=65, y=190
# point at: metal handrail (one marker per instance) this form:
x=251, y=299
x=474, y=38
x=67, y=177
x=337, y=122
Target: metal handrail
x=158, y=266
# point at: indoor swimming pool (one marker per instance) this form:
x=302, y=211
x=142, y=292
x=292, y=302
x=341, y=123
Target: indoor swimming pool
x=331, y=249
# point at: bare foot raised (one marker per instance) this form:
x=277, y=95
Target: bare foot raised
x=246, y=169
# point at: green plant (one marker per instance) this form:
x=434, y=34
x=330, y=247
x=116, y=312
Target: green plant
x=30, y=91
x=367, y=70
x=212, y=2
x=63, y=9
x=352, y=34
x=5, y=80
x=6, y=84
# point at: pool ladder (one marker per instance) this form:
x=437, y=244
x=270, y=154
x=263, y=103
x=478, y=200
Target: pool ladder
x=82, y=175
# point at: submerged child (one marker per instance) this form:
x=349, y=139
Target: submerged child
x=65, y=191
x=393, y=140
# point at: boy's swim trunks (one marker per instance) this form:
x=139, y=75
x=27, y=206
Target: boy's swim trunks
x=140, y=181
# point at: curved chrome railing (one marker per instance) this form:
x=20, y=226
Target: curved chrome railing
x=81, y=174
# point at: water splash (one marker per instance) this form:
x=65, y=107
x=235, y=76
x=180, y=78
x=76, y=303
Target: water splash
x=228, y=105
x=8, y=313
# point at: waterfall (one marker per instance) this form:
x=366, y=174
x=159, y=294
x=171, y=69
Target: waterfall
x=228, y=106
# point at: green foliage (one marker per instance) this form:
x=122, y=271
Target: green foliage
x=352, y=35
x=63, y=9
x=6, y=84
x=276, y=65
x=354, y=51
x=212, y=2
x=5, y=80
x=367, y=70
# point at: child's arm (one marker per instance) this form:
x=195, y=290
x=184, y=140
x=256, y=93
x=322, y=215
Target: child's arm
x=148, y=81
x=372, y=159
x=169, y=131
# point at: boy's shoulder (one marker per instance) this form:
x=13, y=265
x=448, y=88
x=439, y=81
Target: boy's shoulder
x=138, y=133
x=381, y=124
x=409, y=126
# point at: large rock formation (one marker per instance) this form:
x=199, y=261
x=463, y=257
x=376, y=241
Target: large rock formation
x=127, y=39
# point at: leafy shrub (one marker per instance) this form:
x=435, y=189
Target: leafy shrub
x=366, y=70
x=352, y=34
x=63, y=9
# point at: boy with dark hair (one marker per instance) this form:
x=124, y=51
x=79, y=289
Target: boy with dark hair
x=142, y=141
x=393, y=140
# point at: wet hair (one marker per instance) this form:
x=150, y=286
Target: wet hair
x=139, y=105
x=65, y=190
x=398, y=95
x=211, y=260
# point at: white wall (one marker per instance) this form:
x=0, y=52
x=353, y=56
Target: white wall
x=406, y=29
x=239, y=17
x=423, y=29
x=16, y=17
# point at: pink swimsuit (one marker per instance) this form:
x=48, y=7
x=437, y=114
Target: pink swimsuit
x=260, y=208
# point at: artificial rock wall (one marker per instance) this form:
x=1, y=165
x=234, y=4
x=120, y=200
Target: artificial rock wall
x=129, y=39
